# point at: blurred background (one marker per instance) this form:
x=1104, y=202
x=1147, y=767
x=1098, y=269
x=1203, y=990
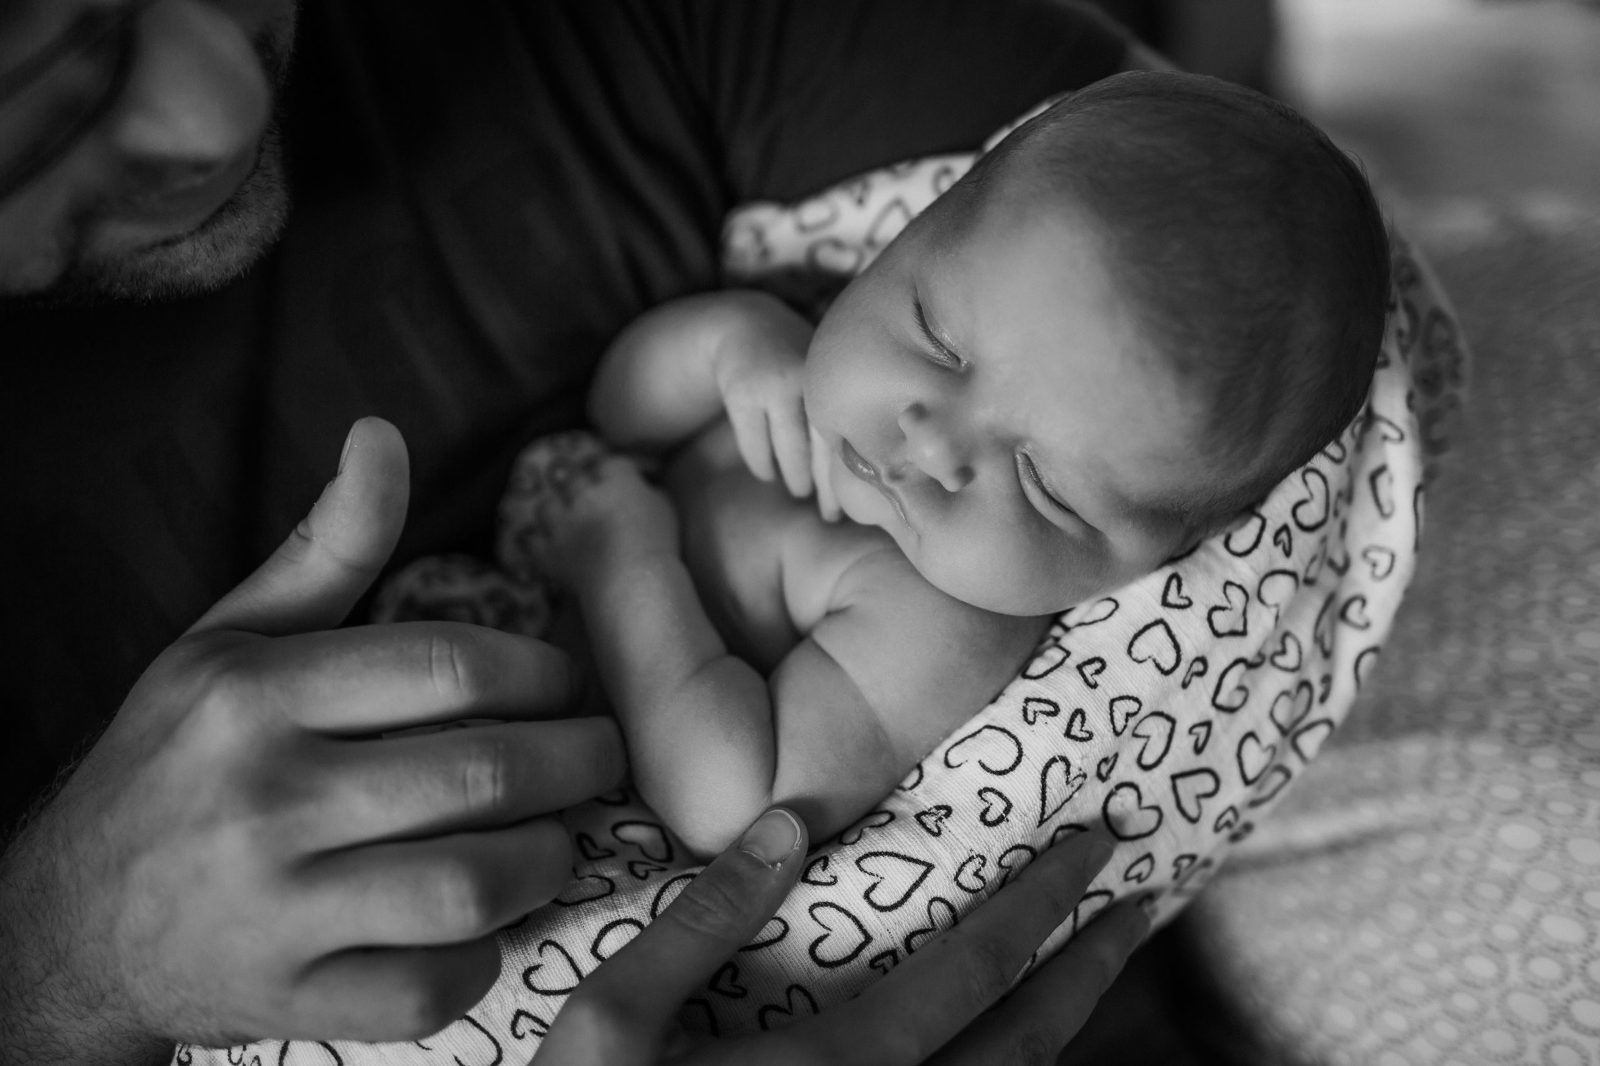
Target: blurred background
x=1479, y=123
x=1446, y=101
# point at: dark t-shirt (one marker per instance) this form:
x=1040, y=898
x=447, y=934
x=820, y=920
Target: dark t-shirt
x=484, y=194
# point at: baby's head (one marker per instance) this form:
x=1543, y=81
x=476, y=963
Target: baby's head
x=1125, y=325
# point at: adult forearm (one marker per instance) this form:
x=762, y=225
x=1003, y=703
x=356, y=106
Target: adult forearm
x=52, y=1008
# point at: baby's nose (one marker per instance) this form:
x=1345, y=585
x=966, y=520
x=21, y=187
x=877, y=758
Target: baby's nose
x=934, y=448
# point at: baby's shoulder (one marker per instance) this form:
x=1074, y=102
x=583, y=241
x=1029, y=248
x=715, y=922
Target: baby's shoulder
x=826, y=564
x=889, y=601
x=923, y=660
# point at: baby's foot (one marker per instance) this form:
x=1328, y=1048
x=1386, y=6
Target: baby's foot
x=572, y=505
x=459, y=588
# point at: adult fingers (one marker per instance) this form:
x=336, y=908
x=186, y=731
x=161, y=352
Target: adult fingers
x=937, y=992
x=620, y=1014
x=791, y=444
x=754, y=441
x=373, y=678
x=457, y=779
x=1046, y=1011
x=384, y=994
x=326, y=564
x=441, y=890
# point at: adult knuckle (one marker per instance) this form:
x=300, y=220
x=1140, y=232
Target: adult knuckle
x=1031, y=1046
x=421, y=1005
x=1102, y=965
x=451, y=668
x=592, y=1019
x=485, y=777
x=265, y=813
x=786, y=1047
x=709, y=909
x=218, y=681
x=194, y=655
x=989, y=968
x=899, y=1044
x=463, y=901
x=226, y=697
x=548, y=838
x=549, y=868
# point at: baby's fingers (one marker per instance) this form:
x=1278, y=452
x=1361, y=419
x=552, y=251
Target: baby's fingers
x=791, y=444
x=755, y=443
x=827, y=503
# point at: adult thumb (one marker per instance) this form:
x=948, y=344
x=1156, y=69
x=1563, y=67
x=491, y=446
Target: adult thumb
x=621, y=1014
x=317, y=574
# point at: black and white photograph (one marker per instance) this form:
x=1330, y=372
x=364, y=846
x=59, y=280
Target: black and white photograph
x=800, y=532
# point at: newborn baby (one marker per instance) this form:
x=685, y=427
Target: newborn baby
x=1122, y=327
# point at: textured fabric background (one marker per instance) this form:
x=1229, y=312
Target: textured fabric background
x=1430, y=893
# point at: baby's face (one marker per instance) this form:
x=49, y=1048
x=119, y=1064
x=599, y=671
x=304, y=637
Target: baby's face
x=986, y=400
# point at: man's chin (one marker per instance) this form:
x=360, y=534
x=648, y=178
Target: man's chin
x=221, y=249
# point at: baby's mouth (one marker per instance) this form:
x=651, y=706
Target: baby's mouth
x=858, y=465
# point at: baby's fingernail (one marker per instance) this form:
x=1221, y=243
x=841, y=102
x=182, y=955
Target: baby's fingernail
x=772, y=838
x=1099, y=854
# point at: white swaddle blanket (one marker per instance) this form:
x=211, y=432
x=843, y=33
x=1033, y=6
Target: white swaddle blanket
x=1178, y=709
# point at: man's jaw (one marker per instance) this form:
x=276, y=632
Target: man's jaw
x=223, y=244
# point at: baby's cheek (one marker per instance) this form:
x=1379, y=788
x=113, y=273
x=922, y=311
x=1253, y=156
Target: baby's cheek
x=1066, y=571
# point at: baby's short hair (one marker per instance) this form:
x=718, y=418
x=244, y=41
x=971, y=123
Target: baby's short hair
x=1249, y=245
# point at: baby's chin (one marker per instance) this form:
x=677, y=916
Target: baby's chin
x=1021, y=600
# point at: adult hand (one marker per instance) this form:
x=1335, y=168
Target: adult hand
x=930, y=1008
x=244, y=852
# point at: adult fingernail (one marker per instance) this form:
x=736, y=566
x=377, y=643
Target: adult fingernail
x=772, y=837
x=1099, y=854
x=349, y=442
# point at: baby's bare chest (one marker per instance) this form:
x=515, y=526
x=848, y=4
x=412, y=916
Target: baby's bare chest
x=765, y=565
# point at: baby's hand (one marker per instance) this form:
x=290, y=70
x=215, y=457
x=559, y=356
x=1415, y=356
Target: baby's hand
x=761, y=386
x=827, y=503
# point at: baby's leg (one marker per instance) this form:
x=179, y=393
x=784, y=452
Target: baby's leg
x=567, y=492
x=696, y=719
x=571, y=501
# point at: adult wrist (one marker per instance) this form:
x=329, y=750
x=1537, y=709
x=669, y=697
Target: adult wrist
x=53, y=1010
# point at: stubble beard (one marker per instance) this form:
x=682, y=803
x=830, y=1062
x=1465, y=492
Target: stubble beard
x=215, y=253
x=218, y=251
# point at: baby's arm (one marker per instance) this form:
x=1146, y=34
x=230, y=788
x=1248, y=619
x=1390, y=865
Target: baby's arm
x=681, y=366
x=892, y=667
x=697, y=719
